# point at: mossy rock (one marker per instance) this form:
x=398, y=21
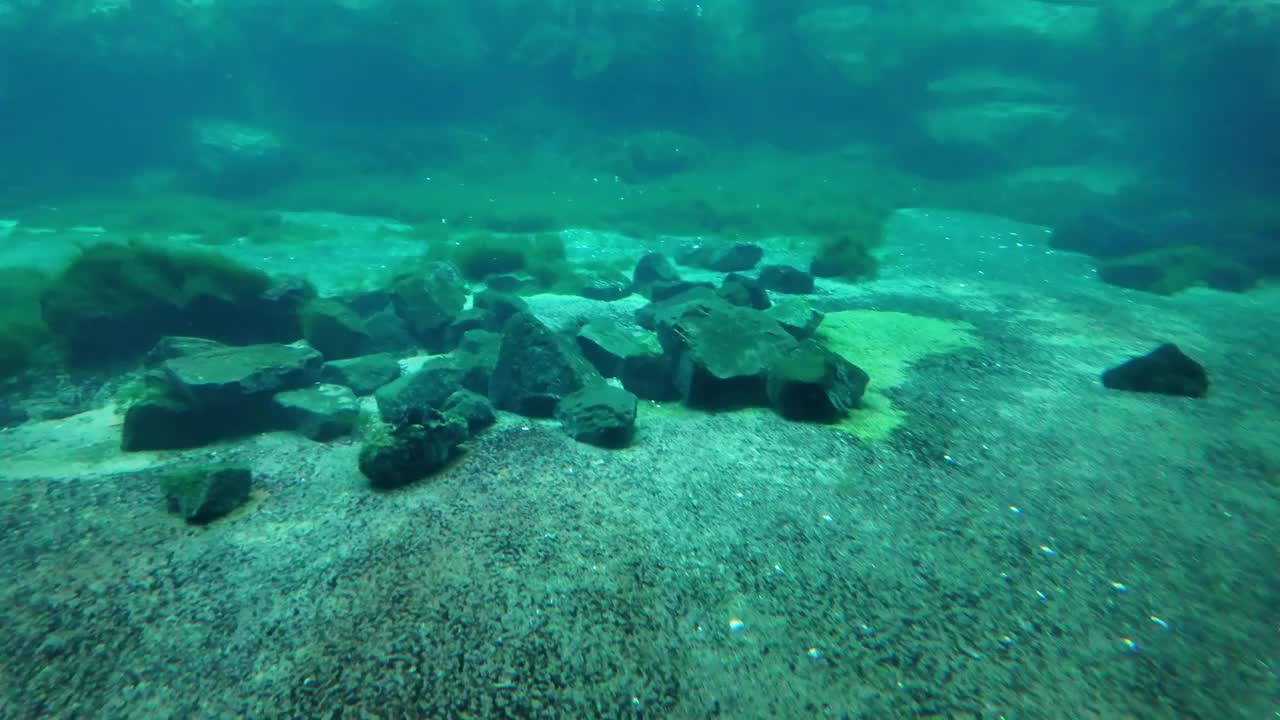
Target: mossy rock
x=24, y=337
x=846, y=256
x=1171, y=270
x=207, y=492
x=115, y=301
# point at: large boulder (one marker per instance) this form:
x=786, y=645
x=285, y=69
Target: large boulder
x=812, y=383
x=720, y=353
x=635, y=358
x=334, y=329
x=600, y=415
x=537, y=368
x=322, y=413
x=363, y=374
x=429, y=301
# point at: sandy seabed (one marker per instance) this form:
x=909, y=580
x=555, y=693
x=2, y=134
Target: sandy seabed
x=1026, y=545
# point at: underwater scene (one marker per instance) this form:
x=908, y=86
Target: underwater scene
x=398, y=359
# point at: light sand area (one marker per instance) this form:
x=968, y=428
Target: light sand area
x=1024, y=544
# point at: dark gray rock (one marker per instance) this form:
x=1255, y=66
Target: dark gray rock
x=334, y=329
x=229, y=375
x=812, y=383
x=363, y=374
x=600, y=415
x=322, y=413
x=163, y=422
x=797, y=317
x=472, y=407
x=720, y=353
x=536, y=368
x=429, y=301
x=737, y=257
x=413, y=397
x=176, y=346
x=477, y=355
x=11, y=416
x=653, y=268
x=665, y=290
x=501, y=306
x=411, y=452
x=1166, y=370
x=786, y=279
x=473, y=318
x=634, y=357
x=744, y=291
x=204, y=493
x=607, y=285
x=647, y=316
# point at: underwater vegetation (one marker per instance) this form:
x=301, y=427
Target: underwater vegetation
x=24, y=337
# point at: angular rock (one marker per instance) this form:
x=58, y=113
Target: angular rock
x=477, y=356
x=162, y=422
x=207, y=492
x=737, y=257
x=663, y=290
x=334, y=329
x=322, y=413
x=744, y=291
x=636, y=359
x=429, y=301
x=472, y=407
x=786, y=279
x=647, y=316
x=600, y=415
x=501, y=306
x=607, y=285
x=812, y=383
x=363, y=374
x=721, y=353
x=797, y=317
x=175, y=346
x=1165, y=370
x=411, y=452
x=229, y=375
x=653, y=268
x=536, y=368
x=413, y=397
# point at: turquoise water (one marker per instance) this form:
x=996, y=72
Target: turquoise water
x=641, y=358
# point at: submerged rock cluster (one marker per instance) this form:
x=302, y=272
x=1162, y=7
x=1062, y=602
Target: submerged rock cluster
x=708, y=346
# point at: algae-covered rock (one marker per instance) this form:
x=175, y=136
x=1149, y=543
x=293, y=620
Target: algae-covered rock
x=814, y=384
x=334, y=329
x=411, y=452
x=653, y=268
x=412, y=397
x=604, y=285
x=472, y=407
x=1170, y=270
x=720, y=353
x=744, y=291
x=363, y=374
x=322, y=413
x=429, y=300
x=635, y=358
x=536, y=368
x=797, y=317
x=600, y=415
x=204, y=493
x=786, y=279
x=229, y=375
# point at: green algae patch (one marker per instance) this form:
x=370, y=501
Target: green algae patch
x=886, y=345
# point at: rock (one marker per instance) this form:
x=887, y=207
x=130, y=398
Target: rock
x=11, y=416
x=653, y=268
x=334, y=329
x=812, y=383
x=536, y=368
x=363, y=374
x=207, y=492
x=412, y=397
x=662, y=290
x=658, y=154
x=161, y=422
x=510, y=283
x=472, y=407
x=606, y=285
x=635, y=358
x=230, y=375
x=502, y=306
x=175, y=346
x=322, y=413
x=388, y=332
x=411, y=452
x=737, y=257
x=721, y=353
x=786, y=279
x=232, y=156
x=743, y=291
x=600, y=415
x=473, y=318
x=646, y=317
x=797, y=317
x=429, y=301
x=1170, y=270
x=1166, y=370
x=477, y=356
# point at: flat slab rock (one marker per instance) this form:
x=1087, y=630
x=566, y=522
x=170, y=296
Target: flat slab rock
x=228, y=374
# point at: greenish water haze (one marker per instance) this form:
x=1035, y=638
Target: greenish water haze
x=165, y=163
